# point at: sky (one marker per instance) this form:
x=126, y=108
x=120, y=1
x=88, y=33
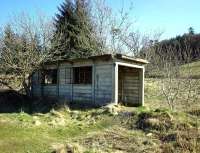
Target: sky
x=172, y=17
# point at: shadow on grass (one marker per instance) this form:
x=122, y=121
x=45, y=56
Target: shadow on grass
x=13, y=102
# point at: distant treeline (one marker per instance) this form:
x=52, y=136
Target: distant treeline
x=185, y=48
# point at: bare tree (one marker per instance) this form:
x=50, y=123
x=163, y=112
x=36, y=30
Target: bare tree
x=191, y=87
x=114, y=30
x=25, y=53
x=175, y=86
x=169, y=68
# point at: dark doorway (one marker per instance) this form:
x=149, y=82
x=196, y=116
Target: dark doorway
x=128, y=85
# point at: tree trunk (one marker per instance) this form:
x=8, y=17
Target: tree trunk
x=26, y=88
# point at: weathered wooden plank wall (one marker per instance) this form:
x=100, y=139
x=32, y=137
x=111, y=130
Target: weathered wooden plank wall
x=65, y=80
x=82, y=93
x=50, y=90
x=102, y=90
x=36, y=85
x=103, y=84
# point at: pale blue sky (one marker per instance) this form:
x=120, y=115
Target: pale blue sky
x=171, y=16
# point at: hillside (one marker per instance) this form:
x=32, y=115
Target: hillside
x=181, y=47
x=192, y=69
x=187, y=70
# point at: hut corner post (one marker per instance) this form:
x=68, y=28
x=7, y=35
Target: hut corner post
x=141, y=89
x=115, y=83
x=93, y=82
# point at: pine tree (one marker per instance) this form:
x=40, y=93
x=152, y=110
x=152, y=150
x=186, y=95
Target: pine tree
x=74, y=32
x=191, y=30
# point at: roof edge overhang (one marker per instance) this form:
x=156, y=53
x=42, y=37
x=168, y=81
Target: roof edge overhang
x=137, y=60
x=101, y=57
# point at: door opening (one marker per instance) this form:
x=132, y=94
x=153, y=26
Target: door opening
x=128, y=85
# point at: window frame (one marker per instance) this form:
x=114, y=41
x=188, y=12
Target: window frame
x=47, y=72
x=86, y=72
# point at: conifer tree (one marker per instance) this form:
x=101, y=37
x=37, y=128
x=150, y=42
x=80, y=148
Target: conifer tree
x=74, y=36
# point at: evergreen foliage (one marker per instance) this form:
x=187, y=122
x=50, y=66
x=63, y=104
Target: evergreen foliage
x=74, y=34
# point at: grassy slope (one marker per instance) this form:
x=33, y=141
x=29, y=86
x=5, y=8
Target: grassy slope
x=91, y=129
x=99, y=130
x=186, y=70
x=194, y=69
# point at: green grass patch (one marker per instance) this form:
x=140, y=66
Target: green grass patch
x=20, y=134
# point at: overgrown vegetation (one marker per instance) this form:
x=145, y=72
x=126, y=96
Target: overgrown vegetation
x=107, y=129
x=83, y=131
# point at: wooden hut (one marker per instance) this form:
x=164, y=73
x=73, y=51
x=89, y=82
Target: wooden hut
x=98, y=80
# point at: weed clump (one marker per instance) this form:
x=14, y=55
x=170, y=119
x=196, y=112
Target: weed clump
x=156, y=120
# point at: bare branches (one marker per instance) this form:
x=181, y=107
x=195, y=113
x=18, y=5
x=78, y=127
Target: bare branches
x=175, y=87
x=25, y=45
x=112, y=28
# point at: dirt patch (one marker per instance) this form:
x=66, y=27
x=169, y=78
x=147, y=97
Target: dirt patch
x=181, y=141
x=118, y=140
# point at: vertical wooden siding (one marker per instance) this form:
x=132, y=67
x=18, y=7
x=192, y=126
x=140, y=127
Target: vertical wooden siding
x=100, y=92
x=103, y=84
x=65, y=82
x=36, y=85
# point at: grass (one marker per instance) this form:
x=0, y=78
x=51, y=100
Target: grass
x=186, y=70
x=194, y=70
x=96, y=131
x=19, y=134
x=151, y=128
